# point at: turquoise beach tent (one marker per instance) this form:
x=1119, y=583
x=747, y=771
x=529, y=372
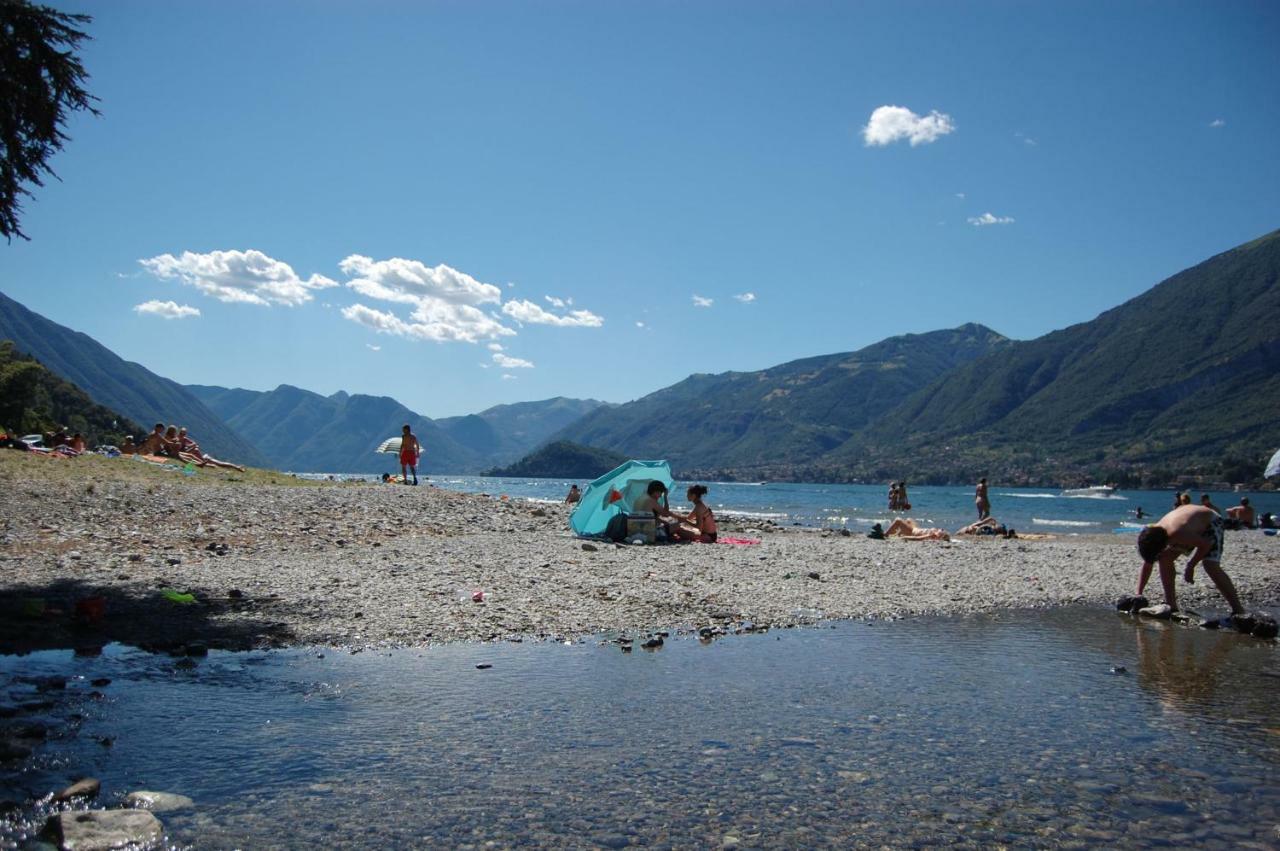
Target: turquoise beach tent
x=615, y=492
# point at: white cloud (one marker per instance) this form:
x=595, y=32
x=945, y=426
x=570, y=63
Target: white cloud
x=166, y=309
x=506, y=376
x=1217, y=122
x=247, y=277
x=960, y=195
x=889, y=124
x=699, y=301
x=411, y=282
x=988, y=219
x=371, y=347
x=746, y=298
x=555, y=302
x=1025, y=138
x=446, y=302
x=508, y=362
x=495, y=347
x=639, y=324
x=437, y=322
x=526, y=311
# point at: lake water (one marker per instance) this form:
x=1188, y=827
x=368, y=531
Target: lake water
x=1066, y=728
x=858, y=506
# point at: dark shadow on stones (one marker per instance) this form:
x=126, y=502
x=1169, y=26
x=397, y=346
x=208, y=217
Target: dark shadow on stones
x=138, y=617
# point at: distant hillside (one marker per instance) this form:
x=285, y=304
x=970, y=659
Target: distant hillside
x=737, y=422
x=303, y=431
x=504, y=433
x=1184, y=378
x=563, y=460
x=128, y=388
x=33, y=401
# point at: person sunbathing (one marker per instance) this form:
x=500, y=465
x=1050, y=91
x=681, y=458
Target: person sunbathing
x=128, y=447
x=191, y=451
x=908, y=529
x=987, y=526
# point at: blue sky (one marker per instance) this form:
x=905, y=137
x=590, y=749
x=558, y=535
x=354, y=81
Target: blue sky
x=465, y=204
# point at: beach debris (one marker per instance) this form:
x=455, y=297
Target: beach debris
x=105, y=829
x=477, y=596
x=157, y=802
x=178, y=597
x=85, y=788
x=483, y=666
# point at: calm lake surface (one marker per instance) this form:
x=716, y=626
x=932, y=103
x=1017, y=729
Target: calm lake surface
x=974, y=731
x=858, y=506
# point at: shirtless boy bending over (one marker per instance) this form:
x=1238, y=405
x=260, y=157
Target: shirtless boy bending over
x=1191, y=529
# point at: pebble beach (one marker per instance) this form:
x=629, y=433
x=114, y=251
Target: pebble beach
x=272, y=561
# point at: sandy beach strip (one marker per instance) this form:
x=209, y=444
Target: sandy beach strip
x=273, y=561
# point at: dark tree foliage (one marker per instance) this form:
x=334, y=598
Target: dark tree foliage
x=33, y=401
x=41, y=83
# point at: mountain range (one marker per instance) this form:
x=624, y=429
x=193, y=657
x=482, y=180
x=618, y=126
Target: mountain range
x=1181, y=380
x=303, y=431
x=123, y=386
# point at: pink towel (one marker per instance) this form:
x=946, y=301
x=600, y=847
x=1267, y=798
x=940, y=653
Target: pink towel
x=738, y=542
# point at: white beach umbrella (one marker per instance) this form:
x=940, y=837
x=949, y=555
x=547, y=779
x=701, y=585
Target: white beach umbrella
x=390, y=446
x=1273, y=466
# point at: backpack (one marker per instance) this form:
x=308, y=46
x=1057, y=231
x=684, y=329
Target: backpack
x=616, y=529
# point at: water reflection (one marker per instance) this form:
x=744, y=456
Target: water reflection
x=970, y=731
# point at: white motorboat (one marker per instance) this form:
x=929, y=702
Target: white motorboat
x=1093, y=490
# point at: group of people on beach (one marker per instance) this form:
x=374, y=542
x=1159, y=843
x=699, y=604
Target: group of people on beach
x=174, y=442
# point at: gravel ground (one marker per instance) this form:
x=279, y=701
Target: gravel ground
x=274, y=561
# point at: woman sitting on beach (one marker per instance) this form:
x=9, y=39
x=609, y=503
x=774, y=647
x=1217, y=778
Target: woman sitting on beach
x=190, y=450
x=700, y=525
x=908, y=529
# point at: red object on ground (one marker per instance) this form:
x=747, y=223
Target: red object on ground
x=738, y=542
x=477, y=596
x=91, y=609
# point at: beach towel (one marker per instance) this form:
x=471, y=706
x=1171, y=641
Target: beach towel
x=738, y=542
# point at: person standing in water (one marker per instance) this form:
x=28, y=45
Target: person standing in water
x=410, y=449
x=980, y=499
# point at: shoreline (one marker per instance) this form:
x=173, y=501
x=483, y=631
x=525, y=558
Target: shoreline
x=273, y=561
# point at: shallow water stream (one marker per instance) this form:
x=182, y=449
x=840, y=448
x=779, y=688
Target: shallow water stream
x=982, y=731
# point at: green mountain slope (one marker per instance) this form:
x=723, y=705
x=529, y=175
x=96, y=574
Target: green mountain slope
x=303, y=431
x=504, y=433
x=33, y=401
x=563, y=459
x=126, y=387
x=737, y=422
x=1186, y=376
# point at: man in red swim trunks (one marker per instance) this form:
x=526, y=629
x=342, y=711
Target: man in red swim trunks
x=410, y=449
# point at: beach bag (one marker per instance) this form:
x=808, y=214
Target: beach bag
x=616, y=529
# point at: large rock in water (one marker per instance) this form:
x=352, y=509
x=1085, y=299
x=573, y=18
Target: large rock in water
x=157, y=802
x=104, y=830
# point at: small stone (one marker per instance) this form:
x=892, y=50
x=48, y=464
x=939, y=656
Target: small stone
x=86, y=788
x=235, y=594
x=99, y=830
x=483, y=666
x=652, y=643
x=539, y=512
x=590, y=548
x=813, y=574
x=100, y=682
x=157, y=802
x=173, y=562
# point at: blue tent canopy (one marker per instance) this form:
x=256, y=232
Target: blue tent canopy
x=616, y=492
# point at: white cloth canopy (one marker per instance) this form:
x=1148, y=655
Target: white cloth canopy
x=1273, y=466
